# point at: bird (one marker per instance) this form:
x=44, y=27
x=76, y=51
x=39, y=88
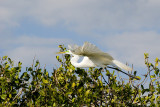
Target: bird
x=93, y=57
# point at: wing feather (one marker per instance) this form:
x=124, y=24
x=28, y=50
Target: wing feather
x=93, y=53
x=89, y=48
x=80, y=50
x=96, y=56
x=85, y=50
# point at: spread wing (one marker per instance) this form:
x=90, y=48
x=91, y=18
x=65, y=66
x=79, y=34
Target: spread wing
x=85, y=50
x=93, y=53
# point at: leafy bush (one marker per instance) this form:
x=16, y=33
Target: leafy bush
x=70, y=86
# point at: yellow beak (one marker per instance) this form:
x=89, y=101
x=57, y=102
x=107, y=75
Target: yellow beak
x=60, y=52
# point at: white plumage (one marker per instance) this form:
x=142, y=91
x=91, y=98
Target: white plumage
x=93, y=57
x=121, y=65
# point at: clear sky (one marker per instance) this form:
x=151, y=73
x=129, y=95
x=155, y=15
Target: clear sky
x=124, y=28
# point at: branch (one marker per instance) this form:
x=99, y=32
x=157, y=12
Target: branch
x=123, y=72
x=105, y=80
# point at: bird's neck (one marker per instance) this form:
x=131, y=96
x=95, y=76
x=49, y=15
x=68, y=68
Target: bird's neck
x=74, y=60
x=84, y=63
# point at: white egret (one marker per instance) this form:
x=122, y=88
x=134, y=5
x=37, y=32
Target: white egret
x=93, y=57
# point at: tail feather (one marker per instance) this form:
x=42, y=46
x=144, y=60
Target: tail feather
x=121, y=65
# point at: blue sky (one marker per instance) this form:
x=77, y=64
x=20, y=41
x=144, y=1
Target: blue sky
x=124, y=28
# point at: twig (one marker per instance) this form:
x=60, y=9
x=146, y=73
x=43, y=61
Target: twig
x=18, y=94
x=105, y=80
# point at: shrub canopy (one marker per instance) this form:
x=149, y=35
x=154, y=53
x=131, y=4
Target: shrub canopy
x=70, y=86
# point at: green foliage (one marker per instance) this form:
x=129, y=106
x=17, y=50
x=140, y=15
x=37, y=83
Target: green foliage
x=70, y=86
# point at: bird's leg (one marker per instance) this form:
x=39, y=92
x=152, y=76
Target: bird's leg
x=124, y=72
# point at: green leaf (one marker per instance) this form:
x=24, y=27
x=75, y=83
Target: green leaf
x=19, y=64
x=107, y=73
x=57, y=57
x=73, y=100
x=4, y=57
x=30, y=69
x=37, y=63
x=44, y=81
x=146, y=55
x=73, y=85
x=80, y=90
x=54, y=105
x=60, y=46
x=7, y=66
x=17, y=82
x=142, y=87
x=87, y=92
x=156, y=71
x=46, y=74
x=10, y=61
x=153, y=80
x=137, y=77
x=152, y=76
x=3, y=96
x=113, y=72
x=42, y=93
x=135, y=72
x=156, y=60
x=10, y=95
